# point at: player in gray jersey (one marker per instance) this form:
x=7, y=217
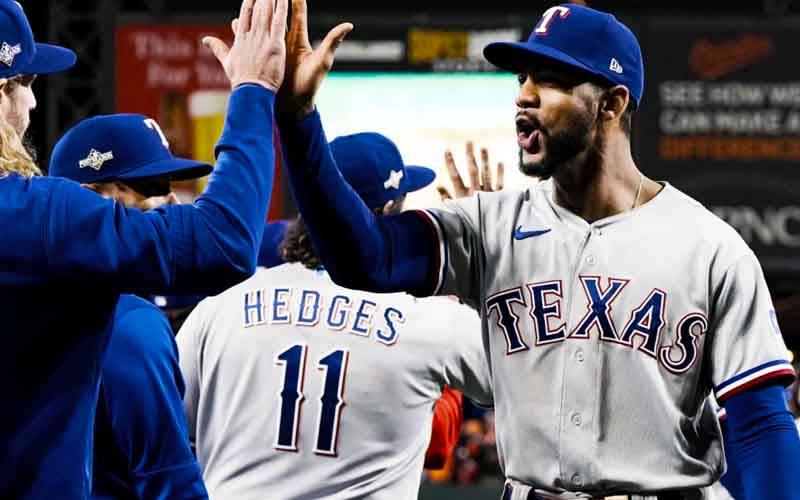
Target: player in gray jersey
x=612, y=305
x=298, y=388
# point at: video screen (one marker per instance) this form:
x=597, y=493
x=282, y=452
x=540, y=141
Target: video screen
x=426, y=114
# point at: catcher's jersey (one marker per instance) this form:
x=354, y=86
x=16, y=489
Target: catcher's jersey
x=604, y=339
x=298, y=388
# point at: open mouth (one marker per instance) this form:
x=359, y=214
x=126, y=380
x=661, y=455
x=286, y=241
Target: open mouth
x=529, y=136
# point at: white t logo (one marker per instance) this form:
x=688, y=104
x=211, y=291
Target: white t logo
x=153, y=125
x=548, y=17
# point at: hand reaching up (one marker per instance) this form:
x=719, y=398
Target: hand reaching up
x=258, y=53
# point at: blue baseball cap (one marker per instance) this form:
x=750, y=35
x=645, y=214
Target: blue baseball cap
x=581, y=37
x=123, y=146
x=372, y=165
x=19, y=53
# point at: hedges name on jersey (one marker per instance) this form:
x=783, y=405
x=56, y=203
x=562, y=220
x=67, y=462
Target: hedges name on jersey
x=308, y=307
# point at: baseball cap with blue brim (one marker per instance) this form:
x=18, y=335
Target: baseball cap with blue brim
x=122, y=146
x=581, y=37
x=19, y=53
x=374, y=168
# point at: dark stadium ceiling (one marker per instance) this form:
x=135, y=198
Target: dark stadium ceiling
x=496, y=7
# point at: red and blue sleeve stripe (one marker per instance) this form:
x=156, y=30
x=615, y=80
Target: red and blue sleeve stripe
x=779, y=368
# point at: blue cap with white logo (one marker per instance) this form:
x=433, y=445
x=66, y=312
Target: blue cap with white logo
x=123, y=146
x=581, y=37
x=19, y=53
x=372, y=165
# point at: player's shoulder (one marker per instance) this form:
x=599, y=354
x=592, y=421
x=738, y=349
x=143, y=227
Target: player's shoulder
x=18, y=191
x=38, y=185
x=139, y=328
x=287, y=275
x=128, y=303
x=438, y=319
x=689, y=213
x=489, y=211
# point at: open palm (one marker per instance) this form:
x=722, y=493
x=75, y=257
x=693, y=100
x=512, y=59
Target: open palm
x=306, y=68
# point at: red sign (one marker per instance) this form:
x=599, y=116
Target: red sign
x=165, y=72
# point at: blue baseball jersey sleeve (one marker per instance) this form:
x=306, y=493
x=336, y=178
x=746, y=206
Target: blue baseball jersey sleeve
x=359, y=250
x=141, y=447
x=67, y=254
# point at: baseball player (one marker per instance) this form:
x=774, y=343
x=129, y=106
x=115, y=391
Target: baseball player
x=298, y=388
x=141, y=443
x=68, y=253
x=612, y=304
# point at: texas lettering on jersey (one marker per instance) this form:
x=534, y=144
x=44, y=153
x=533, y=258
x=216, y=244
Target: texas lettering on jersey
x=307, y=307
x=543, y=303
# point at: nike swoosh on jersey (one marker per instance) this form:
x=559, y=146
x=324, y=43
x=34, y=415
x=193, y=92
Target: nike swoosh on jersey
x=519, y=234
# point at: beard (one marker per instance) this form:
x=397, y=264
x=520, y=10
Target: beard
x=561, y=147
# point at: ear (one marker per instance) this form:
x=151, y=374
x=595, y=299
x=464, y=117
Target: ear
x=614, y=103
x=387, y=208
x=104, y=189
x=91, y=186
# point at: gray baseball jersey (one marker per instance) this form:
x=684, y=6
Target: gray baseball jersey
x=298, y=388
x=605, y=339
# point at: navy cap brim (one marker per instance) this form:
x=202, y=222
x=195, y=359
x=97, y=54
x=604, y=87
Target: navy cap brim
x=418, y=177
x=50, y=59
x=178, y=169
x=517, y=56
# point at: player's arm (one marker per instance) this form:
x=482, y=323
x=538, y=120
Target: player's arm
x=143, y=392
x=447, y=418
x=732, y=480
x=206, y=246
x=762, y=444
x=749, y=369
x=358, y=249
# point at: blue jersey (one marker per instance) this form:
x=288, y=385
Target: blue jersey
x=141, y=447
x=67, y=254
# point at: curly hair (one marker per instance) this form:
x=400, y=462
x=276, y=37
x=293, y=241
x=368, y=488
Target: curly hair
x=14, y=157
x=296, y=246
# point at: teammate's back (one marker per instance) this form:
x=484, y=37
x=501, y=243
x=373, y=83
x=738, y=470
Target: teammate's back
x=298, y=388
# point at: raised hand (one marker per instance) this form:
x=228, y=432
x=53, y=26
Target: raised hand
x=479, y=180
x=258, y=53
x=306, y=68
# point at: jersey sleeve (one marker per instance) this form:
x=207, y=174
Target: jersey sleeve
x=466, y=365
x=143, y=388
x=189, y=342
x=73, y=234
x=359, y=250
x=747, y=348
x=456, y=269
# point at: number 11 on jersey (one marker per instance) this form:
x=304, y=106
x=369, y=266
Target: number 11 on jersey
x=334, y=366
